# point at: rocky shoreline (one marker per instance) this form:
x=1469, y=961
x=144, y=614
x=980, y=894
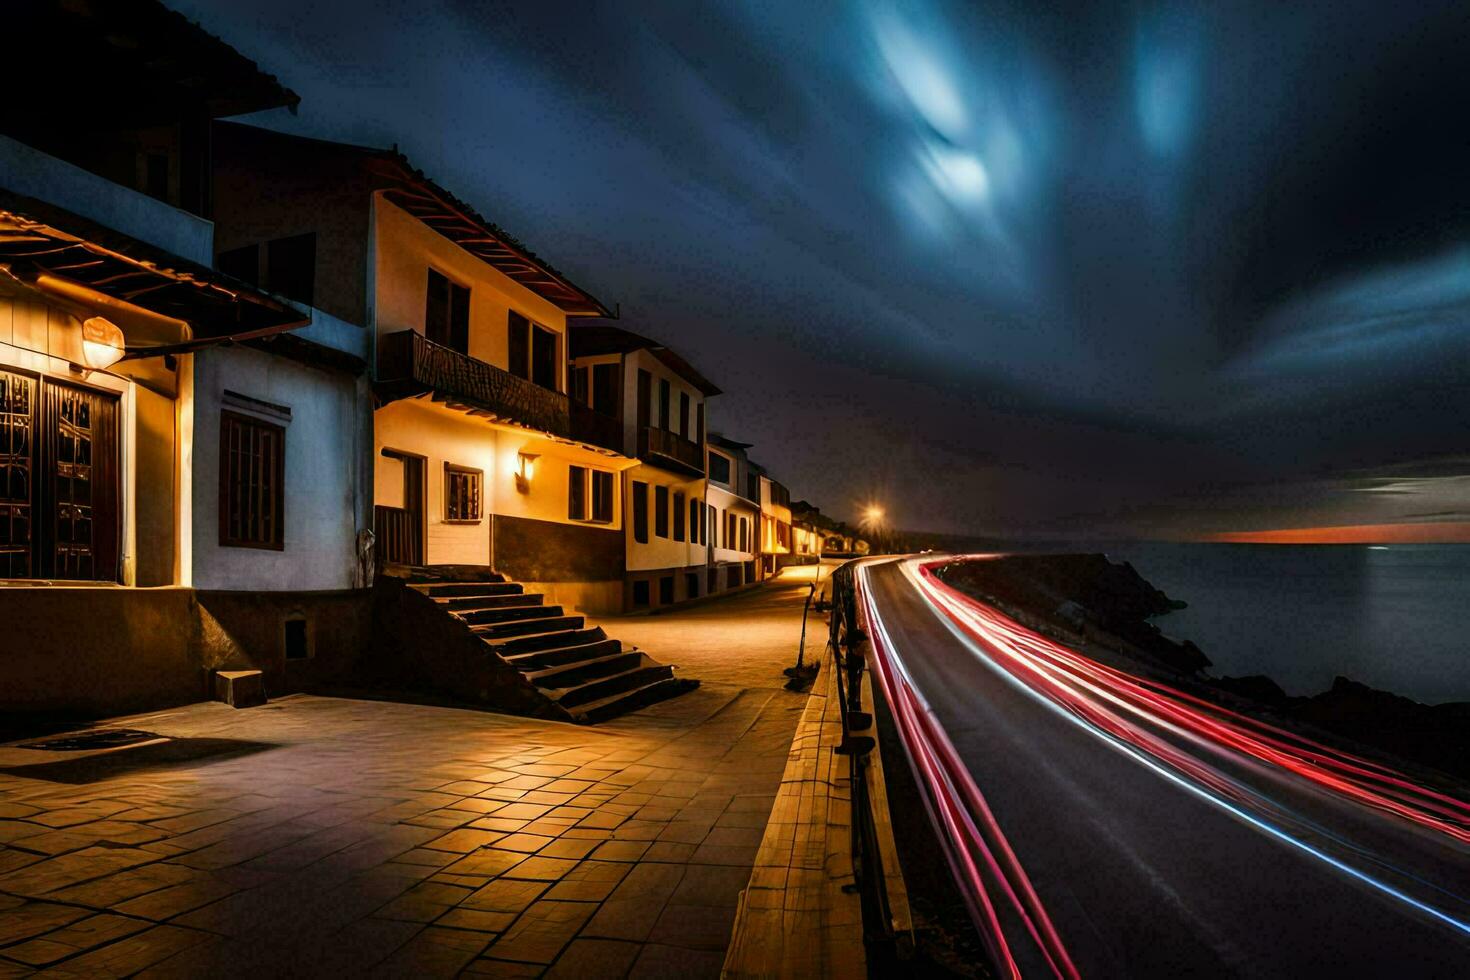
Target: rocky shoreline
x=1108, y=610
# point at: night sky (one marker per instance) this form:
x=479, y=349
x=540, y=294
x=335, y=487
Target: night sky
x=1156, y=269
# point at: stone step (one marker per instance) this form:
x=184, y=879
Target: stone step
x=582, y=672
x=468, y=603
x=507, y=614
x=575, y=651
x=468, y=588
x=613, y=705
x=526, y=627
x=646, y=672
x=553, y=640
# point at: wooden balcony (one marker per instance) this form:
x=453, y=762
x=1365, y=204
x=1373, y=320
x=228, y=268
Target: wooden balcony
x=409, y=365
x=659, y=447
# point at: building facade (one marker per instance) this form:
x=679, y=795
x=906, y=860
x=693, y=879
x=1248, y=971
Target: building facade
x=660, y=401
x=164, y=427
x=480, y=456
x=732, y=515
x=775, y=541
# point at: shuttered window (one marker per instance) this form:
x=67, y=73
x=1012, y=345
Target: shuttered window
x=252, y=483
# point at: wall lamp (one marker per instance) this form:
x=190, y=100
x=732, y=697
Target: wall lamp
x=525, y=471
x=102, y=343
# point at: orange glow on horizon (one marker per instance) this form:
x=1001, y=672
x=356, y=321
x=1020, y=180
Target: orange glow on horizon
x=1446, y=532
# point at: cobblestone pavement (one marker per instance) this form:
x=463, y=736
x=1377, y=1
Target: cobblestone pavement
x=320, y=836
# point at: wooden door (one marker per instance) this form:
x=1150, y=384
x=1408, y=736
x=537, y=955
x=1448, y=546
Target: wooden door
x=60, y=515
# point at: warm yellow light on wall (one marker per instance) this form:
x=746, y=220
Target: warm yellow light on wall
x=102, y=342
x=525, y=471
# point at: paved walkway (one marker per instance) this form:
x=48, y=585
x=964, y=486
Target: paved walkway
x=326, y=836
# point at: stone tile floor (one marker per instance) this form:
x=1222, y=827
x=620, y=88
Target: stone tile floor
x=319, y=836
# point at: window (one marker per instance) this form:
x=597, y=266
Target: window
x=684, y=415
x=645, y=397
x=605, y=389
x=744, y=534
x=711, y=529
x=579, y=386
x=543, y=357
x=518, y=344
x=719, y=468
x=585, y=484
x=691, y=585
x=695, y=509
x=699, y=423
x=462, y=486
x=661, y=511
x=666, y=590
x=640, y=592
x=290, y=267
x=678, y=516
x=730, y=537
x=665, y=422
x=295, y=640
x=447, y=313
x=577, y=494
x=532, y=351
x=242, y=263
x=602, y=496
x=252, y=483
x=640, y=512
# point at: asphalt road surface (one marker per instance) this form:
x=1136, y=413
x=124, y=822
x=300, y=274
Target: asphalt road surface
x=1155, y=850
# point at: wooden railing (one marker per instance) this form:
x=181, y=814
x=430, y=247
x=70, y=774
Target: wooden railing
x=396, y=535
x=669, y=447
x=409, y=364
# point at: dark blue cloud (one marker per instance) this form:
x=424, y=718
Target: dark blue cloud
x=1010, y=265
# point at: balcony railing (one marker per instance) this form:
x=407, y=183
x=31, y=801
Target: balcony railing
x=670, y=450
x=409, y=364
x=397, y=533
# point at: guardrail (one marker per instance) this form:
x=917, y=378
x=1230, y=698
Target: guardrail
x=886, y=936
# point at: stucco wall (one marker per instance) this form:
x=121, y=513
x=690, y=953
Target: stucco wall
x=322, y=447
x=269, y=186
x=442, y=435
x=544, y=551
x=662, y=552
x=95, y=652
x=725, y=502
x=90, y=652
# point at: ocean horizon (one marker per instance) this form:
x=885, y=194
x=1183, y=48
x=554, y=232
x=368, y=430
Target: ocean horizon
x=1390, y=616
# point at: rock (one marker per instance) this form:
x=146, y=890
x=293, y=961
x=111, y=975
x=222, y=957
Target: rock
x=1254, y=687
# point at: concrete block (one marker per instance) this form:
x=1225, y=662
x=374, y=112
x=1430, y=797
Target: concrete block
x=239, y=688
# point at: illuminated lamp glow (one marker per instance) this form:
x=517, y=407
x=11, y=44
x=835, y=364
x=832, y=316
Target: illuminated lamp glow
x=102, y=342
x=525, y=471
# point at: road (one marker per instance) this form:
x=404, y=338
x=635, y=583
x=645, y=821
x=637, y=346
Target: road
x=1110, y=827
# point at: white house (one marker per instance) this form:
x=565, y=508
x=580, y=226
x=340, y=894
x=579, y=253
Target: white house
x=660, y=402
x=732, y=515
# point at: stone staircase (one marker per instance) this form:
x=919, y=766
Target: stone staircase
x=538, y=658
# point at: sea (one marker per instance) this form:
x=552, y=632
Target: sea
x=1394, y=617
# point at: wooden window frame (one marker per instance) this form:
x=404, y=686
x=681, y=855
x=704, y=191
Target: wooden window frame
x=453, y=470
x=660, y=511
x=678, y=511
x=588, y=477
x=640, y=512
x=277, y=542
x=577, y=480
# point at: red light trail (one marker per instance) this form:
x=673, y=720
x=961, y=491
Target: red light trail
x=1185, y=739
